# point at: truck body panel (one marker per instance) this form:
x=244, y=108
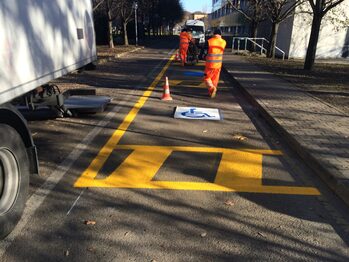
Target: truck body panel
x=42, y=40
x=198, y=30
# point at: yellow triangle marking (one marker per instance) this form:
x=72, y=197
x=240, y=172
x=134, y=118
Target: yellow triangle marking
x=175, y=82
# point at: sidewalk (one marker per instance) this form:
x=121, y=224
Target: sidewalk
x=317, y=131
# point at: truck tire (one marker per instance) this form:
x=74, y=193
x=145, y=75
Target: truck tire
x=14, y=178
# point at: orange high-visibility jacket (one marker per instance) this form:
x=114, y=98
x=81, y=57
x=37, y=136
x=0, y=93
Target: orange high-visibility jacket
x=184, y=38
x=214, y=56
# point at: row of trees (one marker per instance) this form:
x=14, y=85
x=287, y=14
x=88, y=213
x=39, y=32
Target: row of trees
x=277, y=11
x=155, y=15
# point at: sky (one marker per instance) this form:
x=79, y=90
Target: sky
x=197, y=5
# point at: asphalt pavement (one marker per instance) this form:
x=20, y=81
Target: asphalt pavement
x=319, y=132
x=136, y=184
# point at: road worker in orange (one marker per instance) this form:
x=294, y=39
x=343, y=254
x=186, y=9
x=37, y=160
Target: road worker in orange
x=214, y=61
x=184, y=39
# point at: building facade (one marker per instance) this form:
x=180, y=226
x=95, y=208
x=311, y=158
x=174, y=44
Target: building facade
x=294, y=33
x=334, y=34
x=231, y=22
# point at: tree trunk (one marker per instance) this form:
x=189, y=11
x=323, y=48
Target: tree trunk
x=110, y=31
x=314, y=37
x=272, y=39
x=149, y=27
x=125, y=33
x=254, y=26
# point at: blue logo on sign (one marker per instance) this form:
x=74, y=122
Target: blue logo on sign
x=193, y=113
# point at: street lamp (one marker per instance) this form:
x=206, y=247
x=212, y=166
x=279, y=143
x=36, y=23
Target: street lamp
x=135, y=6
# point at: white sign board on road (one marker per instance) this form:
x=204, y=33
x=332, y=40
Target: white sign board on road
x=197, y=113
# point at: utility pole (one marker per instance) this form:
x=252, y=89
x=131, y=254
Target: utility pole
x=135, y=6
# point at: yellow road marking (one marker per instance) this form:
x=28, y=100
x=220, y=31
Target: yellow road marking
x=240, y=170
x=187, y=83
x=175, y=82
x=201, y=63
x=202, y=85
x=107, y=149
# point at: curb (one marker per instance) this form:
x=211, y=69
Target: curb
x=128, y=52
x=339, y=186
x=112, y=58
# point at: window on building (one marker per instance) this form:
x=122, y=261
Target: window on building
x=242, y=30
x=232, y=30
x=227, y=9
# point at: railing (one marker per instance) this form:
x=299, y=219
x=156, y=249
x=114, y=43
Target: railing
x=254, y=41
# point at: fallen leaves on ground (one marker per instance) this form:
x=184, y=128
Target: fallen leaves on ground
x=229, y=203
x=239, y=137
x=90, y=222
x=91, y=249
x=261, y=234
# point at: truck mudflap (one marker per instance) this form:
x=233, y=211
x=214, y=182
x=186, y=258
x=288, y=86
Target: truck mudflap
x=33, y=160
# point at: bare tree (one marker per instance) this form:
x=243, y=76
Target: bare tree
x=97, y=4
x=254, y=12
x=320, y=8
x=278, y=11
x=124, y=11
x=109, y=8
x=158, y=13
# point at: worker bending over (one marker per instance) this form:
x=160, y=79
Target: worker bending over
x=184, y=39
x=214, y=60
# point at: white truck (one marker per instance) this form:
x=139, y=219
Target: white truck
x=197, y=27
x=40, y=40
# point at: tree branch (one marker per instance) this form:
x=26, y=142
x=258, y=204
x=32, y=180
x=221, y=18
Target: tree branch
x=95, y=8
x=240, y=11
x=329, y=7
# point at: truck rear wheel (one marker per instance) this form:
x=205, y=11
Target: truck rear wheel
x=14, y=178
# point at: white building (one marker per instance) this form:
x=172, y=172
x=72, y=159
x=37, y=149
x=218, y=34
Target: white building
x=294, y=33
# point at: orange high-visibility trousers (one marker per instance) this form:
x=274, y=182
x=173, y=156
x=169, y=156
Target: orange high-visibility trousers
x=183, y=52
x=212, y=77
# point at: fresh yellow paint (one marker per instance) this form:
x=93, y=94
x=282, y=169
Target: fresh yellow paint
x=240, y=170
x=187, y=83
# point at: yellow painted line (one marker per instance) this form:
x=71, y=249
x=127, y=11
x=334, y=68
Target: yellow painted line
x=97, y=163
x=175, y=82
x=184, y=83
x=140, y=167
x=238, y=171
x=198, y=149
x=203, y=85
x=201, y=63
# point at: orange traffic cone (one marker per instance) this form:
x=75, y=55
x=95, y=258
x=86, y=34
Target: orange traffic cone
x=166, y=93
